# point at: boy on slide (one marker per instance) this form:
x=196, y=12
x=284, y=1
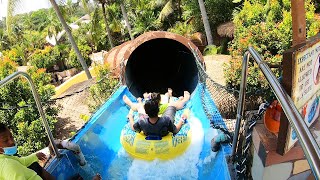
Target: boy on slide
x=163, y=100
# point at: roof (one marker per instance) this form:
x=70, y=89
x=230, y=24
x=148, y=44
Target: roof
x=53, y=39
x=226, y=29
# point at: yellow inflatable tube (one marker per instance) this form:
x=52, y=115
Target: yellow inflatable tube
x=167, y=148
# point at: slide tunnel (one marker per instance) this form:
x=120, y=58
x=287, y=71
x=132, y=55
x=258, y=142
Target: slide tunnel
x=156, y=61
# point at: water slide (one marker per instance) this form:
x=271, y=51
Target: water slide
x=150, y=63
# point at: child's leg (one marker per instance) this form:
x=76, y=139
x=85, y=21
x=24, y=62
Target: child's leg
x=132, y=105
x=167, y=97
x=140, y=107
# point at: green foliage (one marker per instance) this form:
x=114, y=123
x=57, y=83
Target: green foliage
x=25, y=123
x=97, y=33
x=4, y=40
x=102, y=90
x=218, y=11
x=84, y=117
x=73, y=61
x=14, y=54
x=167, y=10
x=46, y=57
x=71, y=134
x=183, y=28
x=268, y=28
x=144, y=14
x=212, y=50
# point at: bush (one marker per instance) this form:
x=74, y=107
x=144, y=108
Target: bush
x=104, y=87
x=45, y=58
x=219, y=11
x=25, y=123
x=268, y=28
x=14, y=55
x=73, y=62
x=212, y=50
x=182, y=28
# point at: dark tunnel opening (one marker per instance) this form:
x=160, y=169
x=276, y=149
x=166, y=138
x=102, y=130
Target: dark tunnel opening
x=159, y=64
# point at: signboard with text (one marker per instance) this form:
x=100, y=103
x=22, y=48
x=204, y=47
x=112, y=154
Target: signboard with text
x=305, y=87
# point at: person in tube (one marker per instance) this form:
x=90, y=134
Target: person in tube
x=152, y=124
x=164, y=101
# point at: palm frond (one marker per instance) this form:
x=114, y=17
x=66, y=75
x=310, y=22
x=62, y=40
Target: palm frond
x=85, y=6
x=166, y=11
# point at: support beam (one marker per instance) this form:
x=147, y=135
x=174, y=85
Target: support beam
x=298, y=14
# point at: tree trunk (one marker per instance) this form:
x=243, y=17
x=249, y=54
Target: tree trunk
x=205, y=20
x=70, y=37
x=10, y=10
x=125, y=16
x=107, y=25
x=179, y=10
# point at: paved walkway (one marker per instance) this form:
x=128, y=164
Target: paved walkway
x=214, y=65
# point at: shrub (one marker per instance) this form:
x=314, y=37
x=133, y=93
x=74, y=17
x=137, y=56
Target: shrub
x=104, y=87
x=73, y=62
x=268, y=28
x=219, y=11
x=182, y=28
x=11, y=54
x=25, y=123
x=45, y=58
x=212, y=50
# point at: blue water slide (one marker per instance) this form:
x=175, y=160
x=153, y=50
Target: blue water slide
x=99, y=140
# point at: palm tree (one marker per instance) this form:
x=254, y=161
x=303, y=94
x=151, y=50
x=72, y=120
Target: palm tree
x=12, y=4
x=170, y=7
x=206, y=23
x=105, y=17
x=125, y=17
x=70, y=37
x=53, y=27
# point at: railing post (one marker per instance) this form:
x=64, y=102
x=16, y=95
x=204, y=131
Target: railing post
x=38, y=103
x=242, y=97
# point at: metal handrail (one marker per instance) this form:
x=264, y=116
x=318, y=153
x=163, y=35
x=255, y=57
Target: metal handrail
x=38, y=103
x=308, y=143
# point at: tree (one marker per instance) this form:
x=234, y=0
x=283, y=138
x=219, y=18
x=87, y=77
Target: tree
x=105, y=18
x=144, y=15
x=125, y=17
x=206, y=23
x=53, y=27
x=73, y=43
x=10, y=11
x=25, y=121
x=267, y=26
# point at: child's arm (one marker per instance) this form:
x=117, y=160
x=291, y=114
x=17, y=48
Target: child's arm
x=183, y=120
x=131, y=121
x=179, y=125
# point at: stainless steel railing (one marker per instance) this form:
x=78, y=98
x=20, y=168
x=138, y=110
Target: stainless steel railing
x=308, y=143
x=38, y=103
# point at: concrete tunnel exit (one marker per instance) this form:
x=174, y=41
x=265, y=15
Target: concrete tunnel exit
x=160, y=63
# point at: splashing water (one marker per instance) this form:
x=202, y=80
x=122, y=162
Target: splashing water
x=183, y=166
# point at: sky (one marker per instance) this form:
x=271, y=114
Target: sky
x=24, y=6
